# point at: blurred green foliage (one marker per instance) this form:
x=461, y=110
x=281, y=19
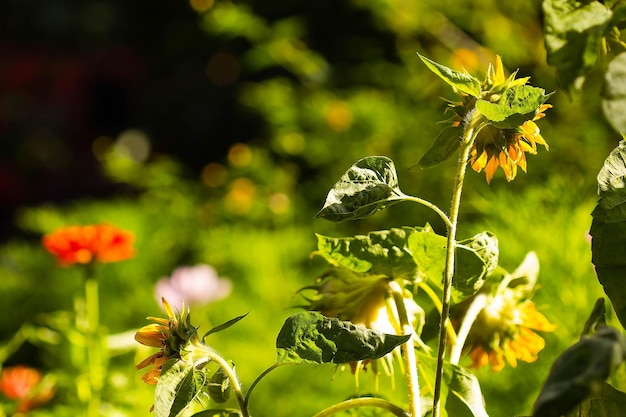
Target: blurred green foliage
x=332, y=82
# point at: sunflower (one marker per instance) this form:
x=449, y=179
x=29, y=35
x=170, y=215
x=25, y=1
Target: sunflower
x=507, y=148
x=505, y=330
x=169, y=335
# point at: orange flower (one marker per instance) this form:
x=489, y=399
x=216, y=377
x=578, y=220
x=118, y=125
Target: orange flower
x=505, y=330
x=169, y=335
x=24, y=384
x=85, y=244
x=507, y=147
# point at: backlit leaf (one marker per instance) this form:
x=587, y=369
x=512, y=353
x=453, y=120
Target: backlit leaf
x=446, y=144
x=517, y=105
x=310, y=337
x=573, y=32
x=382, y=252
x=608, y=229
x=362, y=190
x=179, y=385
x=614, y=94
x=461, y=81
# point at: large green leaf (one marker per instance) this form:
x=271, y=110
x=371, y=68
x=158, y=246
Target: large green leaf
x=608, y=402
x=608, y=229
x=310, y=337
x=573, y=33
x=475, y=258
x=516, y=105
x=179, y=385
x=614, y=94
x=362, y=190
x=446, y=144
x=460, y=391
x=579, y=371
x=461, y=81
x=382, y=252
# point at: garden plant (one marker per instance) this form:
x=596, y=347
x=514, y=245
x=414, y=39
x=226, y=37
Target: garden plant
x=407, y=303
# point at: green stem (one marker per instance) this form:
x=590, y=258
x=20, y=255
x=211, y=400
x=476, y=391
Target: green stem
x=232, y=376
x=425, y=203
x=472, y=312
x=408, y=351
x=257, y=380
x=437, y=302
x=94, y=344
x=467, y=141
x=362, y=402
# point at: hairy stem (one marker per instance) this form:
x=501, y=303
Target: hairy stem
x=363, y=402
x=232, y=377
x=469, y=135
x=408, y=351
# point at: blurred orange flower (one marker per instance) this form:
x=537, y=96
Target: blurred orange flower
x=505, y=330
x=24, y=384
x=85, y=244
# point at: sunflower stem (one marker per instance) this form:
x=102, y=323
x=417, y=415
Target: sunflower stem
x=234, y=381
x=472, y=128
x=362, y=402
x=408, y=351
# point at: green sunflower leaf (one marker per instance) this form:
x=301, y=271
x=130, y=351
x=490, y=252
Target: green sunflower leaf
x=579, y=371
x=614, y=93
x=228, y=412
x=310, y=337
x=517, y=105
x=608, y=229
x=461, y=81
x=382, y=252
x=574, y=30
x=363, y=189
x=460, y=392
x=179, y=385
x=476, y=257
x=446, y=144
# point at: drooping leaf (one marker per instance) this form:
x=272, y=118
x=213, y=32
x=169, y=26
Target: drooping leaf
x=461, y=81
x=475, y=258
x=362, y=190
x=573, y=32
x=227, y=412
x=446, y=144
x=382, y=252
x=608, y=229
x=310, y=337
x=579, y=371
x=219, y=386
x=179, y=385
x=460, y=391
x=614, y=94
x=517, y=105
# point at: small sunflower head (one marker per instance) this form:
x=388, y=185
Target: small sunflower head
x=500, y=110
x=170, y=335
x=505, y=328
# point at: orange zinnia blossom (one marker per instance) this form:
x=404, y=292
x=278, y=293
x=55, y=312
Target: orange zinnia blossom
x=85, y=244
x=22, y=383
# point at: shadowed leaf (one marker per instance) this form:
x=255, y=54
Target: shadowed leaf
x=446, y=144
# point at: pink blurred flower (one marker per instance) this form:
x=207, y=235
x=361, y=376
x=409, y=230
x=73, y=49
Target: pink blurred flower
x=193, y=285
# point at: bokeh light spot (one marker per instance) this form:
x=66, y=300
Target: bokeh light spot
x=338, y=116
x=240, y=155
x=214, y=174
x=279, y=203
x=293, y=143
x=201, y=5
x=101, y=146
x=239, y=198
x=133, y=144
